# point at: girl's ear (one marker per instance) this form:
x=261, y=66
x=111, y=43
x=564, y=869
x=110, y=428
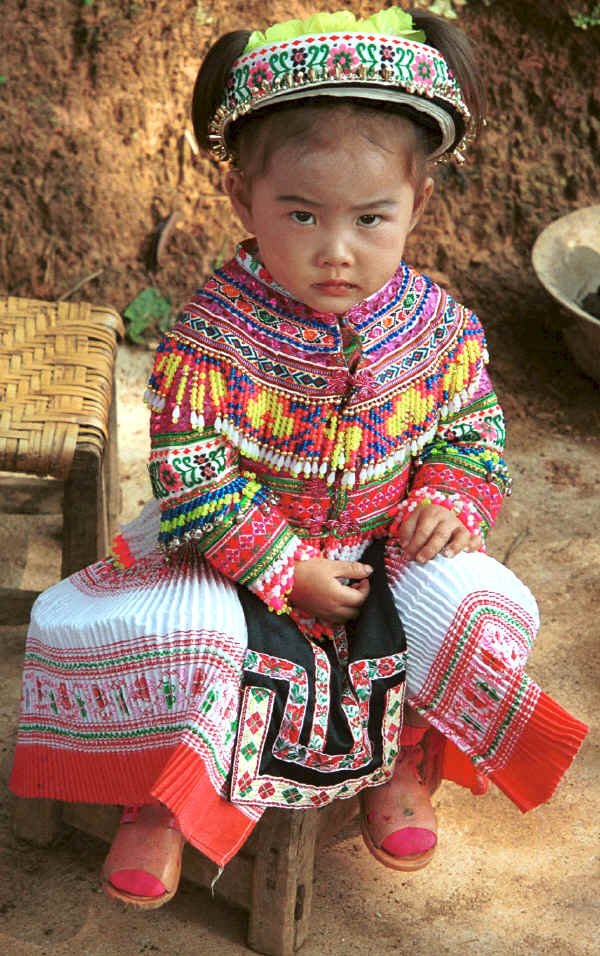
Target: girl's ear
x=421, y=200
x=239, y=194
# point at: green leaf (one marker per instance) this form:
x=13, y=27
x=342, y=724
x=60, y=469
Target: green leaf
x=585, y=20
x=148, y=308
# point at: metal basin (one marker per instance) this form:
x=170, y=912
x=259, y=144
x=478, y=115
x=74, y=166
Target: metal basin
x=566, y=259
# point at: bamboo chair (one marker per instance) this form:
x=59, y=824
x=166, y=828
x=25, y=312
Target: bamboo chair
x=58, y=424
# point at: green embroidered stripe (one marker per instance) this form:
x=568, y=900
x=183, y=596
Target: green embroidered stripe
x=276, y=547
x=167, y=439
x=490, y=400
x=509, y=717
x=118, y=736
x=110, y=662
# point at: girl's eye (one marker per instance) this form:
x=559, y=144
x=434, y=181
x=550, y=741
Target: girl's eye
x=369, y=219
x=303, y=217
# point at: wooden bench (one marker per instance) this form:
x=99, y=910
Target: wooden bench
x=271, y=877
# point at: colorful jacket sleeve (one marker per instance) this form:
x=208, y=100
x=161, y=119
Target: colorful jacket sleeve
x=206, y=497
x=461, y=468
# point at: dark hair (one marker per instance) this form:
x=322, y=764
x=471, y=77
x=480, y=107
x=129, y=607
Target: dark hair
x=210, y=86
x=210, y=82
x=460, y=56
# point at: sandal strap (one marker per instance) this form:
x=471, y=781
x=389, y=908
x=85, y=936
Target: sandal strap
x=130, y=814
x=409, y=735
x=413, y=757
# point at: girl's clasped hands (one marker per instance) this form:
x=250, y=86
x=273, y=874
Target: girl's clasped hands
x=320, y=584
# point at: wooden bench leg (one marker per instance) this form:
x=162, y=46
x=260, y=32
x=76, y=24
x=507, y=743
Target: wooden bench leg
x=112, y=482
x=85, y=532
x=15, y=605
x=282, y=881
x=92, y=501
x=37, y=821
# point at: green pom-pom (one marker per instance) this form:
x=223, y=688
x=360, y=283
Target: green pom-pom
x=390, y=22
x=393, y=22
x=330, y=22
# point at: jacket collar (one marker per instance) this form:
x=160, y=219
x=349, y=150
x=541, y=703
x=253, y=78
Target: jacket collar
x=360, y=316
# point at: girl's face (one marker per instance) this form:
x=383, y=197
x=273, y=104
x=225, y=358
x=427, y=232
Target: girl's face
x=331, y=217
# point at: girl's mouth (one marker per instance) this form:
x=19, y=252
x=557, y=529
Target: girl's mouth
x=334, y=287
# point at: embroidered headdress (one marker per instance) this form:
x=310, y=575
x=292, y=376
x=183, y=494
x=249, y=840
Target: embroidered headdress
x=380, y=59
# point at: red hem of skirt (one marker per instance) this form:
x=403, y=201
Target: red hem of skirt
x=457, y=767
x=209, y=822
x=179, y=779
x=545, y=750
x=543, y=753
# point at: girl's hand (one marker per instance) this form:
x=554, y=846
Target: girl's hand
x=430, y=529
x=319, y=591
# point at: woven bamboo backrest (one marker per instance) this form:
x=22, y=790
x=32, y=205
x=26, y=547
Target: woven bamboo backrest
x=56, y=372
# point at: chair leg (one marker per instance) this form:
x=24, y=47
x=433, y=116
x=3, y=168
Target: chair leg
x=85, y=531
x=112, y=484
x=282, y=881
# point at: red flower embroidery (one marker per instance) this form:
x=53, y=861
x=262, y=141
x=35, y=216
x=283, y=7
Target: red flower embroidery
x=386, y=667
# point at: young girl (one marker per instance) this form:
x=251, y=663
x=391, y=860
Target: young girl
x=326, y=463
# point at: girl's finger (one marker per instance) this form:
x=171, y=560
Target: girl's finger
x=407, y=528
x=352, y=569
x=458, y=542
x=417, y=539
x=352, y=596
x=343, y=614
x=434, y=544
x=432, y=528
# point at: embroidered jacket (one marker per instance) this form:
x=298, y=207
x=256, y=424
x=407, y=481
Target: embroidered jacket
x=279, y=432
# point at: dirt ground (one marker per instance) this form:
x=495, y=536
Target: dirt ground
x=94, y=104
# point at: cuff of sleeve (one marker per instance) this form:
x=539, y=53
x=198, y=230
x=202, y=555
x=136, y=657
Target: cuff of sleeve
x=276, y=582
x=313, y=628
x=464, y=510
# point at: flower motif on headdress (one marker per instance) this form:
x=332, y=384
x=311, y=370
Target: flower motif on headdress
x=298, y=57
x=387, y=53
x=259, y=74
x=163, y=479
x=204, y=466
x=423, y=70
x=342, y=56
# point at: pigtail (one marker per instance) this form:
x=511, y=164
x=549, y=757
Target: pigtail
x=210, y=83
x=460, y=57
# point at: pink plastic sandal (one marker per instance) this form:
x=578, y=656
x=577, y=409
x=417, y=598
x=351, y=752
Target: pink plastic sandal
x=386, y=810
x=143, y=866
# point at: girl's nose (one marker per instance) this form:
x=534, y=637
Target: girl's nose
x=334, y=251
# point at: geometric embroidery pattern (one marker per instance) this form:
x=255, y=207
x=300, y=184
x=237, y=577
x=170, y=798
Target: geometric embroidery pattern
x=481, y=698
x=280, y=716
